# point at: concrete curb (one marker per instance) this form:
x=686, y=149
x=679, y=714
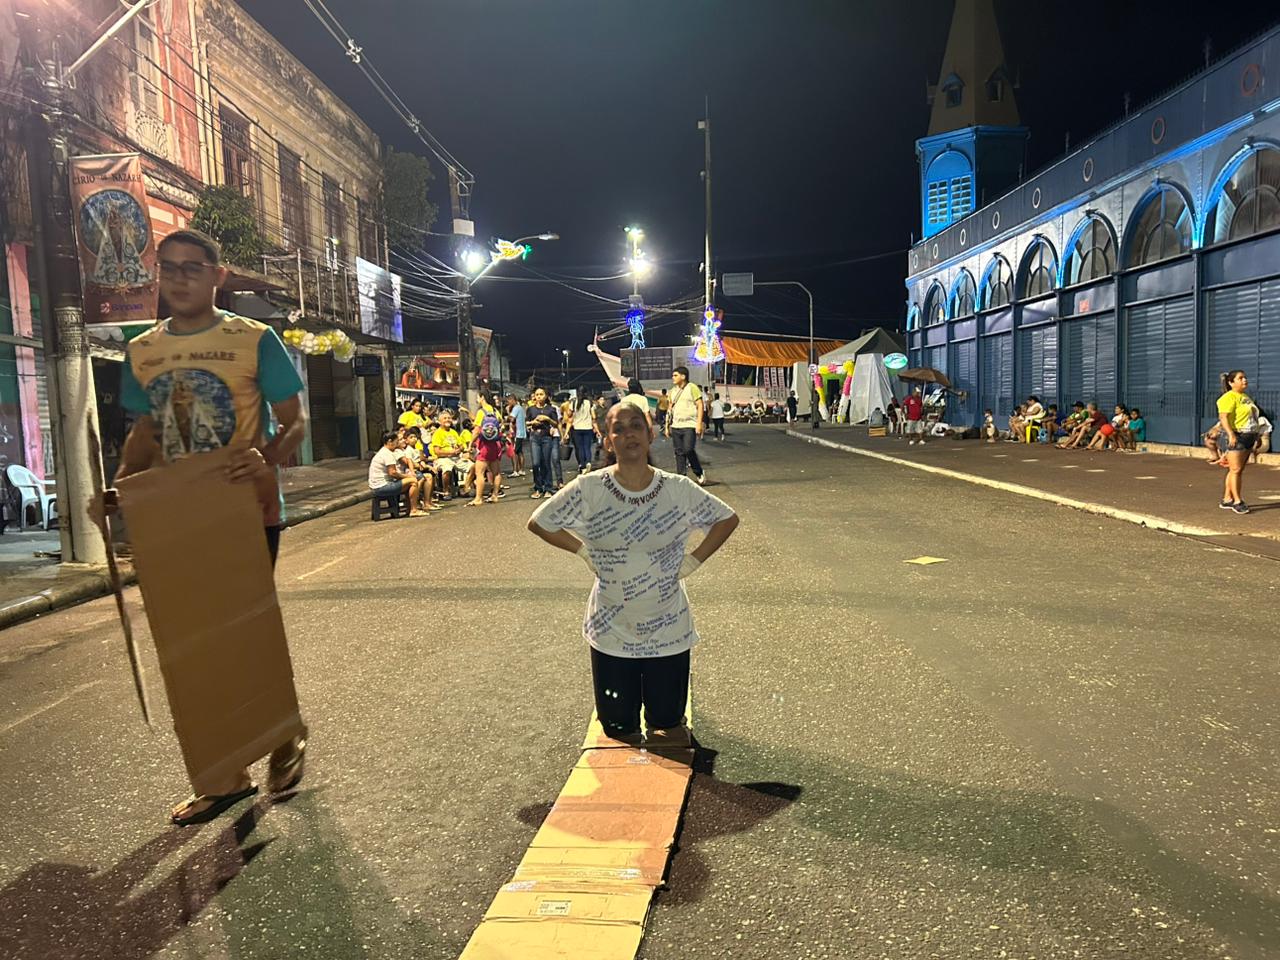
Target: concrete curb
x=1142, y=519
x=97, y=584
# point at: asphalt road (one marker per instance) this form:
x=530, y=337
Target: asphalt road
x=1061, y=742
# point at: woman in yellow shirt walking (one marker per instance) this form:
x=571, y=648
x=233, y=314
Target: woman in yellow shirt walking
x=1239, y=418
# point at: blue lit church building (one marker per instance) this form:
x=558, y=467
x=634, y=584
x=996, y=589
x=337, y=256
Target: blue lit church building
x=1135, y=270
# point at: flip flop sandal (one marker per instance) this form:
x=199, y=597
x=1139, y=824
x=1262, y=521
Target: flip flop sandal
x=218, y=804
x=285, y=776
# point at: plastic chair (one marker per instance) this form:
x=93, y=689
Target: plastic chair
x=394, y=505
x=35, y=493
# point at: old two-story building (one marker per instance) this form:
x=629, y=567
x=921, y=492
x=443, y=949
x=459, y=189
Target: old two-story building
x=1134, y=270
x=208, y=98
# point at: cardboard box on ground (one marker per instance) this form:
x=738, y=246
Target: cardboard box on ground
x=208, y=587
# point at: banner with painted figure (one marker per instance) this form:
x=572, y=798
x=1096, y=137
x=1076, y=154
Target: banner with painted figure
x=116, y=245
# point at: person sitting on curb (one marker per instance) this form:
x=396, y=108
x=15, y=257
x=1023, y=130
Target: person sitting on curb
x=416, y=463
x=388, y=477
x=1049, y=426
x=1017, y=423
x=1090, y=423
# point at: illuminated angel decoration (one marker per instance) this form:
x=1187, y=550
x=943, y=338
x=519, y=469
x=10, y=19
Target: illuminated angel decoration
x=635, y=323
x=708, y=348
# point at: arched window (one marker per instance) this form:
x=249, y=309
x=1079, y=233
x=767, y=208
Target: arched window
x=1161, y=229
x=935, y=306
x=1039, y=267
x=913, y=317
x=1248, y=201
x=1092, y=255
x=948, y=188
x=997, y=289
x=963, y=296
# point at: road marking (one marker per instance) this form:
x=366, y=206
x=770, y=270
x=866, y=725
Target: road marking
x=1146, y=478
x=925, y=561
x=1096, y=470
x=999, y=456
x=323, y=566
x=49, y=706
x=1072, y=466
x=1129, y=516
x=1269, y=496
x=1031, y=460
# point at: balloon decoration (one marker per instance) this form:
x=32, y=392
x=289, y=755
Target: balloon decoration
x=815, y=372
x=846, y=391
x=336, y=342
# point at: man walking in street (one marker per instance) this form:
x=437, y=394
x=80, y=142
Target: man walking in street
x=913, y=407
x=664, y=408
x=200, y=381
x=717, y=417
x=685, y=423
x=522, y=435
x=793, y=404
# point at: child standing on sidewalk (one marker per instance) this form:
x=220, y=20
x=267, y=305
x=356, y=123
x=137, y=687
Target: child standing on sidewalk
x=630, y=523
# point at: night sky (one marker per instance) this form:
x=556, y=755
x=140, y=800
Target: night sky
x=580, y=117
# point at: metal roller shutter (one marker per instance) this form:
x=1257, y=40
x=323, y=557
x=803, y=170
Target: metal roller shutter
x=1089, y=361
x=1244, y=334
x=936, y=357
x=963, y=372
x=1038, y=364
x=997, y=376
x=1160, y=368
x=324, y=422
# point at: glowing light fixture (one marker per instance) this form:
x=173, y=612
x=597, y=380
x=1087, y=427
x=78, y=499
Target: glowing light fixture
x=708, y=348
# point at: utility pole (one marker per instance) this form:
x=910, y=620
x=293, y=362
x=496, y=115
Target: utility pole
x=72, y=398
x=709, y=284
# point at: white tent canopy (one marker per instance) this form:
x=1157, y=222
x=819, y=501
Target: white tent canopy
x=870, y=389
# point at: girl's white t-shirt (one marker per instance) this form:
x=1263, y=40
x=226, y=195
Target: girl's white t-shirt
x=636, y=541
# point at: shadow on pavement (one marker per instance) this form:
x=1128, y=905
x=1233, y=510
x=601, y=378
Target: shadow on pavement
x=64, y=910
x=1058, y=836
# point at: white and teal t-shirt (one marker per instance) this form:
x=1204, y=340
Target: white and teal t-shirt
x=636, y=540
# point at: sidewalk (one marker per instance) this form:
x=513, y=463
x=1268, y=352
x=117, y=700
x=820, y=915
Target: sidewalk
x=1179, y=494
x=32, y=585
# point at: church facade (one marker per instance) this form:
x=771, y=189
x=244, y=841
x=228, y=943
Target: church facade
x=1135, y=270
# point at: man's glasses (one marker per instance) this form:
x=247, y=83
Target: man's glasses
x=187, y=269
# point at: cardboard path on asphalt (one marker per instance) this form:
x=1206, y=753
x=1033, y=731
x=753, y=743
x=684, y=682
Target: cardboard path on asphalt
x=585, y=885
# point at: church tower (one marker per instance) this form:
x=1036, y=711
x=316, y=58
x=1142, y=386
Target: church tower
x=976, y=146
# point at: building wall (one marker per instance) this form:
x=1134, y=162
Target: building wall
x=253, y=74
x=1154, y=335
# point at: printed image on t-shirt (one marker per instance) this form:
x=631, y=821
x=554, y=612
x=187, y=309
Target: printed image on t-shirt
x=194, y=409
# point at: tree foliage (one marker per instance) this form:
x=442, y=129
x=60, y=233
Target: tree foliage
x=230, y=218
x=406, y=180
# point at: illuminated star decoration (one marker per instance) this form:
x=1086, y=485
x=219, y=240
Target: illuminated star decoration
x=709, y=349
x=635, y=323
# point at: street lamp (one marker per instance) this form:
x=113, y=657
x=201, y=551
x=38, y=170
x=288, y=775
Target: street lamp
x=639, y=263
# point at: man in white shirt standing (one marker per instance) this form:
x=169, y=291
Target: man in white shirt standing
x=685, y=423
x=717, y=417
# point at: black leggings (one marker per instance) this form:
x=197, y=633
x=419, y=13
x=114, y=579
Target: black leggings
x=623, y=683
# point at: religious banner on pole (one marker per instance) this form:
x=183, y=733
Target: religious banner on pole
x=116, y=246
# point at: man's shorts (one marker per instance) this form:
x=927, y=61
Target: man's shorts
x=445, y=463
x=915, y=426
x=392, y=489
x=519, y=445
